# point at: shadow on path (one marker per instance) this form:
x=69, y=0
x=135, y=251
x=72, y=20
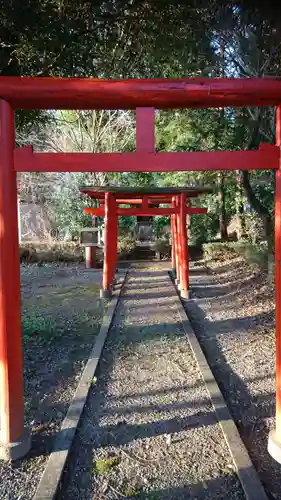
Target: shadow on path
x=110, y=421
x=249, y=410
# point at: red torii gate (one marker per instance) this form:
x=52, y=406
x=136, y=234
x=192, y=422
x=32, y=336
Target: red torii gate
x=149, y=199
x=141, y=95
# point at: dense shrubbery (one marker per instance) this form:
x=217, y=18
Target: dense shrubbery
x=51, y=252
x=218, y=251
x=32, y=252
x=162, y=247
x=255, y=254
x=203, y=228
x=126, y=244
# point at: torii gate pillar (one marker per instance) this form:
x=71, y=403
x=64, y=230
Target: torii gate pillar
x=274, y=441
x=184, y=278
x=174, y=232
x=14, y=439
x=110, y=245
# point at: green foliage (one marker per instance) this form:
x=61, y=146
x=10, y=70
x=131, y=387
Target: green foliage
x=160, y=222
x=263, y=184
x=109, y=39
x=162, y=246
x=203, y=228
x=130, y=492
x=69, y=204
x=153, y=495
x=135, y=179
x=254, y=228
x=126, y=244
x=254, y=254
x=218, y=251
x=127, y=222
x=38, y=327
x=87, y=131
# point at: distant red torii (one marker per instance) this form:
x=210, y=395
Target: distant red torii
x=112, y=197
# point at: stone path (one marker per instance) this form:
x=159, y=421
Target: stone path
x=149, y=430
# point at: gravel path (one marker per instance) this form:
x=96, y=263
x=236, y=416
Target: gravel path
x=148, y=430
x=61, y=316
x=232, y=312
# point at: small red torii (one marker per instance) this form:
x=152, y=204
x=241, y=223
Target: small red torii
x=109, y=199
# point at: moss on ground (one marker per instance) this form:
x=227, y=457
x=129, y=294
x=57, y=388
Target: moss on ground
x=103, y=466
x=48, y=316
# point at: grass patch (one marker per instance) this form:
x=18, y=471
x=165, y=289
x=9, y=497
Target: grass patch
x=60, y=311
x=131, y=492
x=72, y=295
x=36, y=326
x=103, y=466
x=75, y=291
x=153, y=495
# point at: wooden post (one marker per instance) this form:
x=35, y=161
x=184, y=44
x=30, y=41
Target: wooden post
x=107, y=263
x=184, y=253
x=178, y=244
x=274, y=441
x=187, y=249
x=278, y=279
x=14, y=440
x=173, y=232
x=145, y=204
x=172, y=245
x=145, y=130
x=187, y=224
x=90, y=256
x=19, y=219
x=114, y=239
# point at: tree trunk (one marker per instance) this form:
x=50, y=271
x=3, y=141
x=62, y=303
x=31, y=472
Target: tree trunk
x=259, y=208
x=267, y=222
x=255, y=203
x=240, y=207
x=222, y=210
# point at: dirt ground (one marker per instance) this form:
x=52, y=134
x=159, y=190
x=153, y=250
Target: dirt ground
x=61, y=314
x=232, y=312
x=149, y=430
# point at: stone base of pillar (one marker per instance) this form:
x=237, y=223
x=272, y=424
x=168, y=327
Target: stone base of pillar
x=16, y=450
x=274, y=446
x=185, y=294
x=105, y=294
